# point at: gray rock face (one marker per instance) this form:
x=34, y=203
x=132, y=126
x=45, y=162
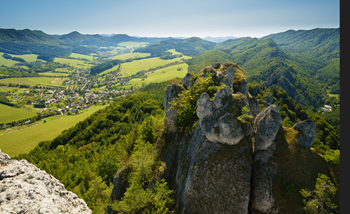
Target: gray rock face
x=213, y=177
x=27, y=189
x=217, y=126
x=254, y=106
x=187, y=80
x=222, y=96
x=120, y=186
x=229, y=78
x=307, y=130
x=273, y=79
x=266, y=125
x=205, y=106
x=171, y=92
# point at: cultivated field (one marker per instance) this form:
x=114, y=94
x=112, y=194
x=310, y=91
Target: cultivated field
x=81, y=56
x=32, y=81
x=161, y=75
x=26, y=139
x=7, y=62
x=54, y=74
x=130, y=68
x=130, y=56
x=76, y=63
x=27, y=57
x=9, y=114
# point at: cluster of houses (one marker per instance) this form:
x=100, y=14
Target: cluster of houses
x=327, y=108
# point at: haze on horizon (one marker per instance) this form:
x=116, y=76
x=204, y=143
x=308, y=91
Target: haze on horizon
x=155, y=18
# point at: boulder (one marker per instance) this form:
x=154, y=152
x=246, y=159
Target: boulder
x=27, y=189
x=307, y=130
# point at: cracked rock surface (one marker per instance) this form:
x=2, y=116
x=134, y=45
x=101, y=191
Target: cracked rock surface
x=26, y=189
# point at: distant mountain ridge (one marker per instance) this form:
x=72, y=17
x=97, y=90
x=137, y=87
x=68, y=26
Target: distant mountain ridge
x=77, y=38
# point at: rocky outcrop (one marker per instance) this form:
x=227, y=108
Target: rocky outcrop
x=171, y=92
x=223, y=127
x=213, y=177
x=307, y=130
x=223, y=163
x=187, y=80
x=26, y=189
x=254, y=106
x=267, y=123
x=120, y=185
x=266, y=127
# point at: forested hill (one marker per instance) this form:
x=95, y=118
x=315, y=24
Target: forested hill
x=305, y=78
x=322, y=43
x=36, y=42
x=77, y=38
x=193, y=46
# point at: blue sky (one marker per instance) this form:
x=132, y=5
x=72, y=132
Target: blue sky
x=160, y=18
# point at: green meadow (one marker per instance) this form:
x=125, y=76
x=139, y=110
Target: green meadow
x=130, y=68
x=27, y=57
x=161, y=75
x=81, y=56
x=6, y=62
x=32, y=81
x=79, y=64
x=54, y=74
x=26, y=139
x=130, y=56
x=9, y=114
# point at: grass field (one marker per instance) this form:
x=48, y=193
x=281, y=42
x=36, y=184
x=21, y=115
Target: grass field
x=81, y=56
x=26, y=139
x=173, y=51
x=133, y=44
x=80, y=64
x=9, y=114
x=130, y=55
x=130, y=68
x=32, y=81
x=54, y=74
x=27, y=57
x=161, y=75
x=7, y=62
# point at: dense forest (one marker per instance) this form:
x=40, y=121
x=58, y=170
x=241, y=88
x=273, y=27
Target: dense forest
x=87, y=156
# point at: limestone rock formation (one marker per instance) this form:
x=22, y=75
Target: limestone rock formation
x=187, y=80
x=266, y=126
x=267, y=123
x=171, y=92
x=223, y=163
x=307, y=130
x=26, y=189
x=205, y=106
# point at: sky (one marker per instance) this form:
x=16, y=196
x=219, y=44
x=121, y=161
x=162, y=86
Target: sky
x=163, y=18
